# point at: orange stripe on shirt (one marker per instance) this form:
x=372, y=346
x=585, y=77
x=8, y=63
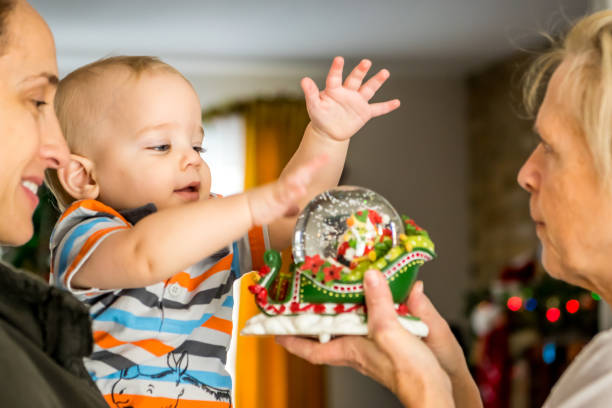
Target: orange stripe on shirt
x=258, y=247
x=145, y=401
x=93, y=205
x=91, y=241
x=189, y=283
x=106, y=341
x=219, y=324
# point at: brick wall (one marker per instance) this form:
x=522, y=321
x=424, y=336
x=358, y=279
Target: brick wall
x=500, y=140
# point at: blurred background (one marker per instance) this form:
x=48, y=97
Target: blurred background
x=448, y=157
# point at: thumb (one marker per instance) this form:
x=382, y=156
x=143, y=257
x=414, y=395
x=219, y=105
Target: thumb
x=381, y=311
x=311, y=91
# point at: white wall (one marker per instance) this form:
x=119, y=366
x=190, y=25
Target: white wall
x=417, y=158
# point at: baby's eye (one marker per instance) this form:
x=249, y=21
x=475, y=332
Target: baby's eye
x=160, y=148
x=199, y=149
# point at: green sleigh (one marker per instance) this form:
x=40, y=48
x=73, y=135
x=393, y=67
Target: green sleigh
x=325, y=287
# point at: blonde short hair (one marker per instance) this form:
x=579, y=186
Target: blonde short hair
x=75, y=105
x=587, y=51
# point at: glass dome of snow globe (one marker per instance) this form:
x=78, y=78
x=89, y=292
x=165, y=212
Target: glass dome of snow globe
x=323, y=222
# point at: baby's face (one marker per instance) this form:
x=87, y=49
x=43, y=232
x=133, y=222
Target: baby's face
x=150, y=148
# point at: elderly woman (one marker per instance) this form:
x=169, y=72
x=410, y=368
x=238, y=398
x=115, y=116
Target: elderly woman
x=569, y=178
x=44, y=333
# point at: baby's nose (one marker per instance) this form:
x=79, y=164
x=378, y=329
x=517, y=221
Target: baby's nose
x=191, y=158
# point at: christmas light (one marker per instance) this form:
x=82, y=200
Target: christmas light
x=514, y=303
x=531, y=304
x=553, y=314
x=572, y=306
x=552, y=301
x=549, y=352
x=595, y=296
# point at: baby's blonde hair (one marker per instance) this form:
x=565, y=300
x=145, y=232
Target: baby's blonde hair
x=76, y=108
x=586, y=50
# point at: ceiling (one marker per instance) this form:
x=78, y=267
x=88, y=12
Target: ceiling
x=440, y=36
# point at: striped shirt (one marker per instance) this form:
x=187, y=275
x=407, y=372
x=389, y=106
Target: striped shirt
x=164, y=343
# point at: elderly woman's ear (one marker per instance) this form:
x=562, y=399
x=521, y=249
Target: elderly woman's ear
x=78, y=178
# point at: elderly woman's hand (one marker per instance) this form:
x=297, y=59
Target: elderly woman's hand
x=419, y=373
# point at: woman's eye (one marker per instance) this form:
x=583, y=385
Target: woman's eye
x=38, y=103
x=199, y=149
x=546, y=147
x=160, y=148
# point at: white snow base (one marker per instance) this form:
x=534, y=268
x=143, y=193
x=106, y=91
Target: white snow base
x=321, y=326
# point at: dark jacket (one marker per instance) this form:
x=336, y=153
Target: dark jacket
x=44, y=335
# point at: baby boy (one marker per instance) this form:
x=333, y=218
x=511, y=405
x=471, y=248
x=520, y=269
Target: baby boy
x=147, y=246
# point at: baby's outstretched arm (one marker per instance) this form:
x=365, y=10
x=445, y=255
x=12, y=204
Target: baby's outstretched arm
x=167, y=242
x=336, y=114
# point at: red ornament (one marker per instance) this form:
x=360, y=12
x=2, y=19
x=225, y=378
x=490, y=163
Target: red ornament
x=402, y=310
x=332, y=273
x=411, y=222
x=572, y=306
x=374, y=217
x=313, y=263
x=514, y=303
x=553, y=314
x=264, y=270
x=343, y=247
x=319, y=308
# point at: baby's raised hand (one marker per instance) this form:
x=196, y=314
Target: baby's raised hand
x=282, y=197
x=340, y=110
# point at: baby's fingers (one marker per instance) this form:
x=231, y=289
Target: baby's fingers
x=334, y=77
x=353, y=81
x=382, y=108
x=373, y=84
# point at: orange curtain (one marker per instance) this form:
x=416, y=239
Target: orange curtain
x=266, y=375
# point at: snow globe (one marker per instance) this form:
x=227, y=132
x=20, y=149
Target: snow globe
x=340, y=234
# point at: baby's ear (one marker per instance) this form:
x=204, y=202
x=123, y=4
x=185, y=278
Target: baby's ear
x=77, y=178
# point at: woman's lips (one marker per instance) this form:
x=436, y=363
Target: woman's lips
x=30, y=189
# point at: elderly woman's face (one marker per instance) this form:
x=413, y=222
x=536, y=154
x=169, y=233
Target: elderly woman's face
x=571, y=209
x=31, y=139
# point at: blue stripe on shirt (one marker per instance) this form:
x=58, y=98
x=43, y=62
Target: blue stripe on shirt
x=229, y=302
x=236, y=260
x=78, y=232
x=135, y=322
x=209, y=378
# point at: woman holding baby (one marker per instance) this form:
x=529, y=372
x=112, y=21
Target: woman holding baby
x=44, y=332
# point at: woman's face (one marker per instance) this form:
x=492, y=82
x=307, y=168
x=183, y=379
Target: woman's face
x=31, y=138
x=572, y=210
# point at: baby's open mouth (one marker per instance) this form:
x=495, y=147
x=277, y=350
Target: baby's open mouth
x=190, y=188
x=190, y=192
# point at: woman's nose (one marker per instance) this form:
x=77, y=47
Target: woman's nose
x=53, y=148
x=528, y=176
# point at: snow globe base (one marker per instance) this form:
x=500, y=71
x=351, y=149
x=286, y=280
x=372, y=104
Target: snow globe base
x=323, y=327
